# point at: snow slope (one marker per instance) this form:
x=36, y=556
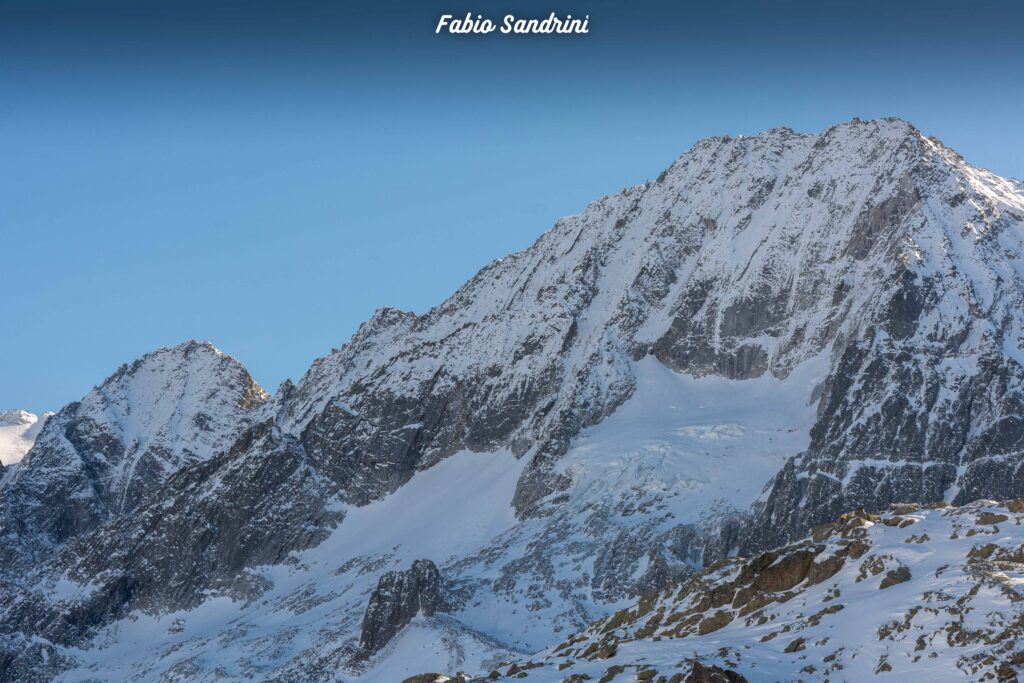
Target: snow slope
x=710, y=441
x=316, y=600
x=696, y=449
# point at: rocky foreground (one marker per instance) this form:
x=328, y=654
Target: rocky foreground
x=930, y=593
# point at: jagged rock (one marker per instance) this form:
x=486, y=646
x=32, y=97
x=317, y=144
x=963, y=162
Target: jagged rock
x=1016, y=505
x=800, y=634
x=716, y=621
x=796, y=645
x=894, y=576
x=611, y=673
x=824, y=569
x=399, y=597
x=991, y=518
x=183, y=546
x=786, y=572
x=32, y=662
x=700, y=673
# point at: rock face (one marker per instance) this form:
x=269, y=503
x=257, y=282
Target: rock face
x=184, y=545
x=924, y=398
x=698, y=673
x=399, y=597
x=839, y=316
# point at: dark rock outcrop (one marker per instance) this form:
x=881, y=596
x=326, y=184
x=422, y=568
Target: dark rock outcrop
x=399, y=597
x=895, y=576
x=700, y=673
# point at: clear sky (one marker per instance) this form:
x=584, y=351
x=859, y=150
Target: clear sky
x=265, y=174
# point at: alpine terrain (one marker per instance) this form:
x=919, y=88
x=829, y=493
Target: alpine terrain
x=609, y=455
x=18, y=431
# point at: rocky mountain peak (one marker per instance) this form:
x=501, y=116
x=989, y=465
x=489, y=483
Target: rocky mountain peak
x=747, y=256
x=170, y=408
x=190, y=364
x=16, y=417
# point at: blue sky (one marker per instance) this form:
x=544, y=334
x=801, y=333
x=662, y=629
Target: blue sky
x=265, y=174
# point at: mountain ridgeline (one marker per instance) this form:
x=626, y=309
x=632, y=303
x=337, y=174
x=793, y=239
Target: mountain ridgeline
x=776, y=330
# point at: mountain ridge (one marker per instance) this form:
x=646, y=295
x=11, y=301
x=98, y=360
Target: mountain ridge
x=776, y=329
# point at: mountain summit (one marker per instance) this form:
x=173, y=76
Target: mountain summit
x=777, y=329
x=102, y=456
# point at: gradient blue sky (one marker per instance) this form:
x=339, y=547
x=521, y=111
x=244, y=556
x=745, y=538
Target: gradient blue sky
x=265, y=174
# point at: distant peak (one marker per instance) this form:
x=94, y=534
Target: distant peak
x=18, y=430
x=17, y=417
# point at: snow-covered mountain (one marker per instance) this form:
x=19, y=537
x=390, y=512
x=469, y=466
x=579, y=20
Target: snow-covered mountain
x=18, y=431
x=777, y=329
x=103, y=456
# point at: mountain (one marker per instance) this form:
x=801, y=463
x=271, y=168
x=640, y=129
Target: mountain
x=101, y=457
x=18, y=431
x=777, y=329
